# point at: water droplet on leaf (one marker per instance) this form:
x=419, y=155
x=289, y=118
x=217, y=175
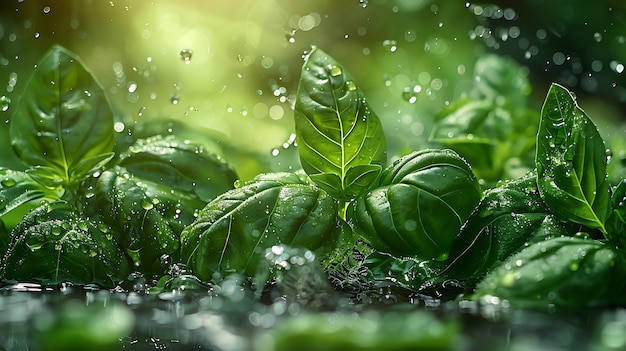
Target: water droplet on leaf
x=186, y=55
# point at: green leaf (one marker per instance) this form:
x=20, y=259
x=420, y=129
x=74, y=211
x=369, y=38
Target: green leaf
x=616, y=223
x=571, y=162
x=508, y=218
x=180, y=164
x=562, y=272
x=62, y=119
x=233, y=231
x=18, y=189
x=52, y=244
x=340, y=139
x=144, y=217
x=403, y=215
x=498, y=78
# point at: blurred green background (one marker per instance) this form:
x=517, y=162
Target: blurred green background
x=226, y=72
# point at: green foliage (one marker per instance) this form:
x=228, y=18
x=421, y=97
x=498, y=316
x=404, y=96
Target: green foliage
x=509, y=217
x=106, y=212
x=492, y=128
x=571, y=162
x=402, y=215
x=340, y=139
x=63, y=125
x=232, y=232
x=564, y=272
x=53, y=244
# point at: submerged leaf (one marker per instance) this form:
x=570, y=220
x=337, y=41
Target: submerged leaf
x=340, y=139
x=52, y=244
x=403, y=215
x=571, y=162
x=233, y=231
x=62, y=119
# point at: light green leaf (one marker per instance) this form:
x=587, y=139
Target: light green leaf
x=571, y=162
x=62, y=118
x=339, y=137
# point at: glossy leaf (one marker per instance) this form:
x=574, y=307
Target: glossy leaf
x=18, y=189
x=403, y=215
x=53, y=244
x=498, y=78
x=340, y=139
x=508, y=218
x=233, y=231
x=562, y=272
x=616, y=223
x=145, y=218
x=62, y=120
x=181, y=165
x=571, y=162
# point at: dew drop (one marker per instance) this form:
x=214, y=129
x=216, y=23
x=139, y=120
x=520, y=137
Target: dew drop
x=5, y=103
x=174, y=99
x=363, y=3
x=334, y=70
x=597, y=37
x=390, y=45
x=186, y=55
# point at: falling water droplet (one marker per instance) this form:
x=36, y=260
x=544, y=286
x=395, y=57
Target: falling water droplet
x=185, y=55
x=391, y=45
x=363, y=3
x=5, y=103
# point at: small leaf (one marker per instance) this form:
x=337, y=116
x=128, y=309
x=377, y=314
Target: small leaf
x=62, y=118
x=571, y=162
x=90, y=166
x=18, y=188
x=616, y=223
x=339, y=137
x=403, y=215
x=233, y=231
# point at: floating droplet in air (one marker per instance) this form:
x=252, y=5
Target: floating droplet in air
x=390, y=45
x=186, y=55
x=5, y=103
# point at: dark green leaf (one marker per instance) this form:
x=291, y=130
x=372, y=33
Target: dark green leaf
x=181, y=165
x=145, y=218
x=52, y=244
x=507, y=219
x=62, y=119
x=403, y=216
x=340, y=139
x=233, y=231
x=571, y=162
x=562, y=272
x=616, y=223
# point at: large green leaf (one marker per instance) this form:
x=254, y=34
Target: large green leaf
x=508, y=218
x=421, y=202
x=562, y=272
x=181, y=165
x=571, y=162
x=53, y=244
x=63, y=121
x=340, y=139
x=233, y=231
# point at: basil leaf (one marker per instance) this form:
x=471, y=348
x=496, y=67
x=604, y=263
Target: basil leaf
x=180, y=164
x=616, y=223
x=233, y=231
x=563, y=272
x=4, y=239
x=62, y=119
x=145, y=218
x=18, y=188
x=507, y=219
x=403, y=215
x=340, y=139
x=53, y=244
x=571, y=162
x=497, y=78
